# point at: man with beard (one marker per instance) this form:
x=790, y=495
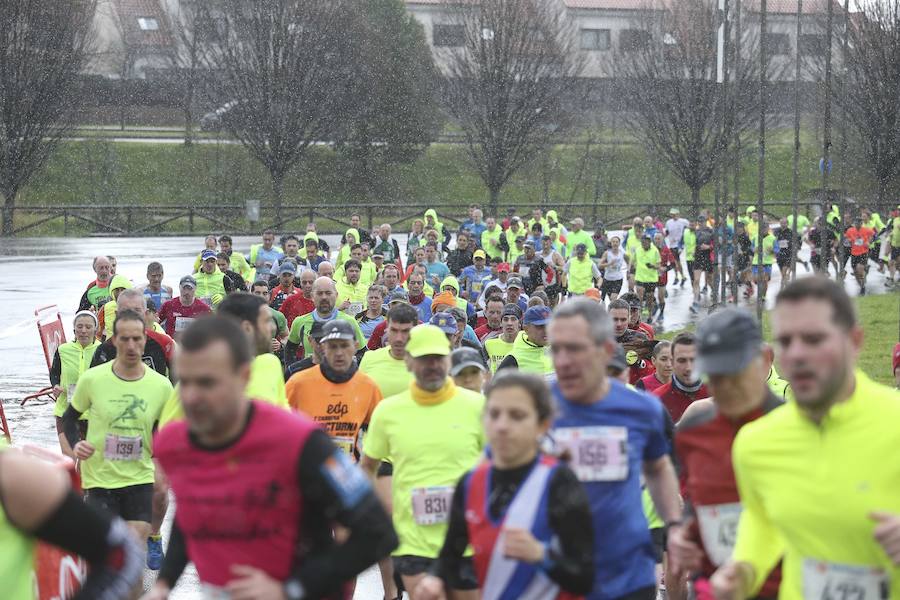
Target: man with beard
x=325, y=296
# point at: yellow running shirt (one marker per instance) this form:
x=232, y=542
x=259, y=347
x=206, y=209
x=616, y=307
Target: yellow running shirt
x=432, y=439
x=807, y=491
x=389, y=373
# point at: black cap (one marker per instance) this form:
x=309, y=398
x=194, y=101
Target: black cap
x=512, y=310
x=727, y=341
x=633, y=300
x=465, y=357
x=338, y=329
x=315, y=330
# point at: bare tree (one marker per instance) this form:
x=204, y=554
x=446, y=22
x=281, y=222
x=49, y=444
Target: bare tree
x=284, y=68
x=42, y=50
x=667, y=72
x=513, y=84
x=872, y=89
x=188, y=60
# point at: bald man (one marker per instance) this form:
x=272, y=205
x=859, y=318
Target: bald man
x=97, y=292
x=326, y=269
x=324, y=295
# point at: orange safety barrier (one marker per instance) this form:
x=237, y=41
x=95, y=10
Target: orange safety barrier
x=58, y=574
x=52, y=336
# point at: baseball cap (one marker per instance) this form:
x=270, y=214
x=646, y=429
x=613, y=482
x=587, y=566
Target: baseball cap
x=445, y=298
x=425, y=340
x=511, y=310
x=398, y=295
x=316, y=330
x=503, y=267
x=580, y=247
x=634, y=302
x=444, y=321
x=537, y=315
x=617, y=360
x=593, y=294
x=577, y=221
x=459, y=314
x=338, y=329
x=378, y=255
x=514, y=282
x=287, y=267
x=896, y=361
x=478, y=254
x=208, y=254
x=189, y=281
x=674, y=211
x=529, y=244
x=727, y=341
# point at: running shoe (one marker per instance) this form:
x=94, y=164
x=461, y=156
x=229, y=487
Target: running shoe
x=695, y=308
x=154, y=552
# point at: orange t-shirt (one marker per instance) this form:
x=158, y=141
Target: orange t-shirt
x=859, y=239
x=340, y=408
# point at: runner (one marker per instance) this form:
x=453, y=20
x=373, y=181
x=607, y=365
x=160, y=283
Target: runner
x=499, y=347
x=836, y=527
x=334, y=393
x=613, y=264
x=731, y=354
x=37, y=503
x=351, y=291
x=287, y=270
x=256, y=517
x=325, y=296
x=176, y=314
x=123, y=400
x=600, y=417
x=685, y=387
x=264, y=256
x=581, y=272
x=786, y=245
x=662, y=368
x=761, y=279
x=674, y=231
x=314, y=358
x=211, y=283
x=237, y=282
x=860, y=239
x=530, y=352
x=667, y=262
x=894, y=243
x=432, y=434
x=467, y=369
x=647, y=262
x=154, y=290
x=814, y=238
x=493, y=318
x=300, y=304
x=474, y=277
x=703, y=260
x=525, y=515
x=236, y=260
x=70, y=361
x=97, y=292
x=375, y=314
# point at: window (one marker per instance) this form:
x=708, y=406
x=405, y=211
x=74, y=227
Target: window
x=148, y=23
x=813, y=44
x=595, y=39
x=448, y=35
x=778, y=43
x=633, y=39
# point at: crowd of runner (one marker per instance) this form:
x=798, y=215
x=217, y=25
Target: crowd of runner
x=487, y=414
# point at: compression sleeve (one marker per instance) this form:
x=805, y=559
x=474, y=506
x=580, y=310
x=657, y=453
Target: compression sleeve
x=337, y=490
x=56, y=369
x=758, y=542
x=70, y=425
x=116, y=561
x=509, y=362
x=572, y=558
x=176, y=557
x=449, y=561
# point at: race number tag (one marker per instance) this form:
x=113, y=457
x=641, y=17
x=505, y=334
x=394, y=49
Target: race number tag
x=831, y=581
x=718, y=529
x=431, y=505
x=598, y=453
x=182, y=323
x=123, y=447
x=345, y=444
x=355, y=308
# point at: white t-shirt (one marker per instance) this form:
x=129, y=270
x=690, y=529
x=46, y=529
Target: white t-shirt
x=674, y=231
x=615, y=265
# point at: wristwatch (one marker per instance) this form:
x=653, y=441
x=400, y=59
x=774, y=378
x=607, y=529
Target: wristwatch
x=293, y=590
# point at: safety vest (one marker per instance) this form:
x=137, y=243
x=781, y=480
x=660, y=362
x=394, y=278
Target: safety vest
x=531, y=358
x=581, y=275
x=74, y=360
x=643, y=273
x=210, y=287
x=497, y=350
x=109, y=317
x=690, y=244
x=16, y=560
x=486, y=237
x=632, y=243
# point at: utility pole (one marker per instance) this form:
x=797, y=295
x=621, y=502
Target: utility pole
x=826, y=130
x=761, y=184
x=721, y=176
x=795, y=180
x=739, y=89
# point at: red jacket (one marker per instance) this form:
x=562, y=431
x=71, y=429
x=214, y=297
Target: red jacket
x=677, y=401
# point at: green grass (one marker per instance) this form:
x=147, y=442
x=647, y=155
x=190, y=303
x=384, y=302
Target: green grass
x=880, y=318
x=102, y=172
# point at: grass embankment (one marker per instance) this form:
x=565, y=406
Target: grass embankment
x=103, y=172
x=880, y=319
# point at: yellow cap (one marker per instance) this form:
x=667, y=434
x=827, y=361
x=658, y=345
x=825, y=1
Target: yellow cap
x=426, y=340
x=478, y=254
x=119, y=282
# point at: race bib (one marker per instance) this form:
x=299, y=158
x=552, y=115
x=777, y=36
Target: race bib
x=213, y=592
x=832, y=581
x=182, y=323
x=70, y=391
x=718, y=529
x=355, y=308
x=345, y=444
x=431, y=505
x=123, y=447
x=598, y=453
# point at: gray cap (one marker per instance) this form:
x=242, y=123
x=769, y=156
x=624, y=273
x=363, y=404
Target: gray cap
x=338, y=329
x=618, y=360
x=189, y=281
x=465, y=357
x=727, y=341
x=514, y=282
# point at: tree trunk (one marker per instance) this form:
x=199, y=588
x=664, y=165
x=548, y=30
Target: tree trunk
x=695, y=201
x=277, y=193
x=8, y=208
x=494, y=200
